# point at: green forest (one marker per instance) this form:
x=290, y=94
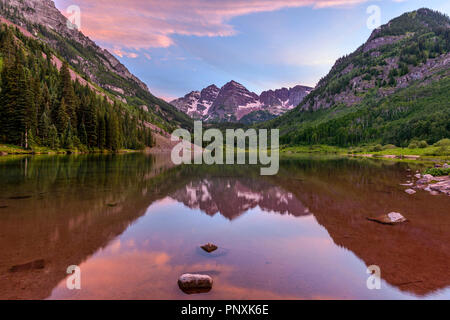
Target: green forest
x=415, y=113
x=42, y=106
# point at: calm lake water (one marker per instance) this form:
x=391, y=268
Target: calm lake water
x=134, y=223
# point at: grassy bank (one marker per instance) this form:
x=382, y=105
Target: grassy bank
x=437, y=151
x=6, y=149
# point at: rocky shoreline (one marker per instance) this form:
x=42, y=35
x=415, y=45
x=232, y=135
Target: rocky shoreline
x=433, y=184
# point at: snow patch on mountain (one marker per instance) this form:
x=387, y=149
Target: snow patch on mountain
x=233, y=101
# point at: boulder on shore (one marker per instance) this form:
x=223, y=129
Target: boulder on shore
x=390, y=218
x=195, y=283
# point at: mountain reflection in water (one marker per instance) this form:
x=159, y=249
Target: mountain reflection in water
x=133, y=223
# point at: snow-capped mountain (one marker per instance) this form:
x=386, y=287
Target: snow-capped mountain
x=235, y=103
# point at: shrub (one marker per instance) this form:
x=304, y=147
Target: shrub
x=437, y=172
x=413, y=145
x=377, y=148
x=442, y=143
x=389, y=146
x=423, y=144
x=356, y=150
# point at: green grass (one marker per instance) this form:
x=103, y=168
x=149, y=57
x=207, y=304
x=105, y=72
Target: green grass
x=423, y=152
x=438, y=172
x=16, y=150
x=429, y=152
x=10, y=149
x=313, y=149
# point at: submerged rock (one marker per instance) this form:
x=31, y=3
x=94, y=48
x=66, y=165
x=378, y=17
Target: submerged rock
x=19, y=197
x=195, y=283
x=410, y=191
x=37, y=264
x=209, y=247
x=443, y=187
x=434, y=185
x=422, y=182
x=390, y=218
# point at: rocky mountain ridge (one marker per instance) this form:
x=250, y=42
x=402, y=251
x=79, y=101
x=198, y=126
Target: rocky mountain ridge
x=234, y=102
x=42, y=20
x=392, y=90
x=45, y=13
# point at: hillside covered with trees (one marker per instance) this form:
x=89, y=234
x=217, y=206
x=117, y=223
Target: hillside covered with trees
x=394, y=89
x=43, y=21
x=42, y=106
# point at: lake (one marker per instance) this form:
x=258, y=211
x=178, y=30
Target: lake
x=134, y=223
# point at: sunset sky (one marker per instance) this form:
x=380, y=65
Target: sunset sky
x=177, y=46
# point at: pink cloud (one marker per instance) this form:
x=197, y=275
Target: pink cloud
x=121, y=53
x=141, y=24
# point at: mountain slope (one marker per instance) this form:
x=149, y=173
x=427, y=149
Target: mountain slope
x=235, y=103
x=44, y=105
x=43, y=21
x=391, y=90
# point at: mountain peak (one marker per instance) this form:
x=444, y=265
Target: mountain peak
x=234, y=84
x=413, y=22
x=233, y=102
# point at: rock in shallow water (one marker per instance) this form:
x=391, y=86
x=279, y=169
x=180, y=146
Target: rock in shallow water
x=34, y=265
x=390, y=218
x=410, y=191
x=195, y=283
x=209, y=247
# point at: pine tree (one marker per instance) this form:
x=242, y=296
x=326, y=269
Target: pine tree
x=17, y=110
x=44, y=128
x=101, y=132
x=68, y=93
x=89, y=119
x=53, y=139
x=83, y=134
x=62, y=118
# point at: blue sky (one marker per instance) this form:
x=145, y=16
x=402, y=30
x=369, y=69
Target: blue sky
x=175, y=47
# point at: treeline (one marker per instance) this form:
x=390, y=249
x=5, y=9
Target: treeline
x=416, y=113
x=42, y=106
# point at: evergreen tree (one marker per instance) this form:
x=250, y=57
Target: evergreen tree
x=62, y=118
x=83, y=134
x=68, y=93
x=101, y=132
